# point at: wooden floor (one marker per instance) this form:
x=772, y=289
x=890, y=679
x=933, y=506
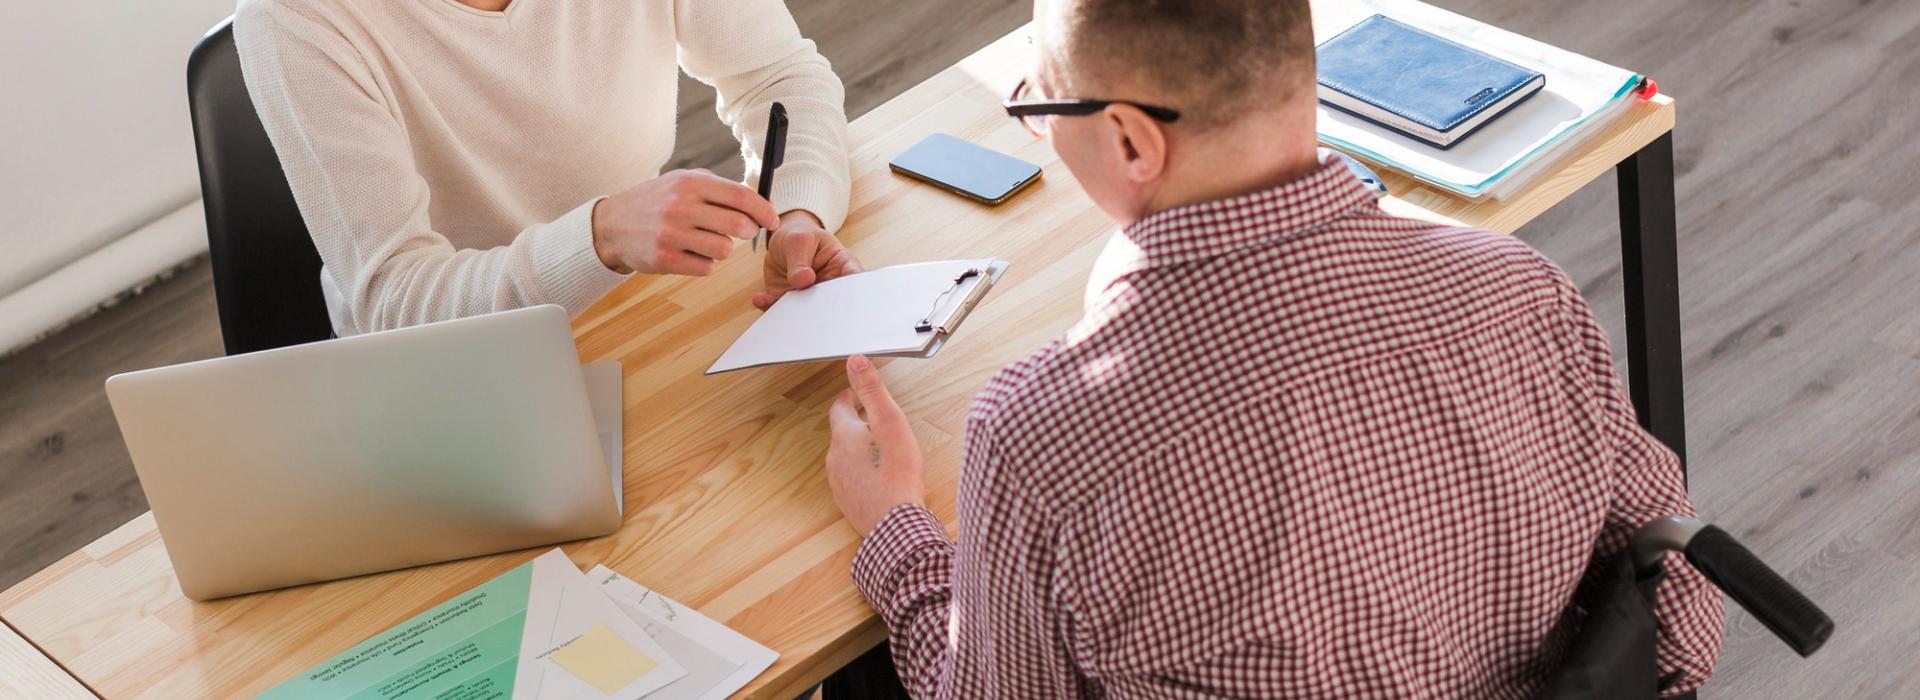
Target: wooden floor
x=1799, y=273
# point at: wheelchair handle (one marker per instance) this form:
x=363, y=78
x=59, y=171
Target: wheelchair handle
x=1732, y=567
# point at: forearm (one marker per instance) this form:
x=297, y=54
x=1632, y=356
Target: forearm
x=1648, y=483
x=905, y=570
x=411, y=279
x=1691, y=612
x=801, y=216
x=814, y=175
x=753, y=55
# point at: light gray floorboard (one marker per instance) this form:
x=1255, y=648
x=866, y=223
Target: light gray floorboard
x=1798, y=272
x=1799, y=276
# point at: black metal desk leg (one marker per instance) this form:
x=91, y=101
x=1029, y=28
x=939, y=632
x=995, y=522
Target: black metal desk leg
x=1651, y=271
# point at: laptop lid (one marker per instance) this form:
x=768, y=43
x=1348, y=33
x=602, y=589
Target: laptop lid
x=368, y=453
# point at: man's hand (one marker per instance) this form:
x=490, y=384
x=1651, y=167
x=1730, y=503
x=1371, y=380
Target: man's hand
x=873, y=462
x=800, y=253
x=679, y=223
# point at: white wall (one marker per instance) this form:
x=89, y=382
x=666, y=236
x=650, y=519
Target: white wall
x=94, y=145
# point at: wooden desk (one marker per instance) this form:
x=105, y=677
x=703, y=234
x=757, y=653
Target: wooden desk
x=26, y=673
x=727, y=507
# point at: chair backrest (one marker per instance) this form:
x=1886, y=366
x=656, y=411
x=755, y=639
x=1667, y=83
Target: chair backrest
x=266, y=273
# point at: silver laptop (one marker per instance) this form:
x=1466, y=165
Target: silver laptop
x=374, y=452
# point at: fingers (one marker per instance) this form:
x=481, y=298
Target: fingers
x=720, y=191
x=801, y=257
x=872, y=393
x=705, y=244
x=839, y=263
x=798, y=252
x=723, y=221
x=680, y=262
x=844, y=414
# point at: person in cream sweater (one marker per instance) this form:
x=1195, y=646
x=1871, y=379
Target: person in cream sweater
x=457, y=157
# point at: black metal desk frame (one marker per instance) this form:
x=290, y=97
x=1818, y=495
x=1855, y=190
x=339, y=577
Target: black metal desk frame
x=1650, y=271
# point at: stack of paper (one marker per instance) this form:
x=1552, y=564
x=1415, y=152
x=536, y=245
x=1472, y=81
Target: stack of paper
x=718, y=660
x=1581, y=97
x=543, y=631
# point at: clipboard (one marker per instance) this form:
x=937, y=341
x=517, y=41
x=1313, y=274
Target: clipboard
x=900, y=311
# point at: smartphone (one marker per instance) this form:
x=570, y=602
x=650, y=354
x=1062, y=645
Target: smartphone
x=962, y=168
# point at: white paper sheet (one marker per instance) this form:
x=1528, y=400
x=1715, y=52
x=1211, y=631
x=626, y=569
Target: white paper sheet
x=718, y=660
x=1550, y=157
x=563, y=605
x=1578, y=90
x=871, y=313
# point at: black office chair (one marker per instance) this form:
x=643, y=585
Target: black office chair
x=1612, y=653
x=266, y=273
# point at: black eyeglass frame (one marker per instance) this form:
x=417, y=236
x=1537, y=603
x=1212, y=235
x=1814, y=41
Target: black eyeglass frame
x=1022, y=109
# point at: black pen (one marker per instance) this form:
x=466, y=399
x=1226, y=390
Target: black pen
x=770, y=158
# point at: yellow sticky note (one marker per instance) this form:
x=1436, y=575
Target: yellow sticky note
x=603, y=660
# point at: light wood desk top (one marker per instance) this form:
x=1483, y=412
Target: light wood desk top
x=727, y=507
x=26, y=673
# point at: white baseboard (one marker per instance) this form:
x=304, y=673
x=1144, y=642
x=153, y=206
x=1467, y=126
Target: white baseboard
x=76, y=290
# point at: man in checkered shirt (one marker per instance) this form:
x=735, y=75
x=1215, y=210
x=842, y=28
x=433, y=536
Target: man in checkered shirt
x=1296, y=447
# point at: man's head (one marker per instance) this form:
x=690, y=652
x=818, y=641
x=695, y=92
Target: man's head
x=1239, y=72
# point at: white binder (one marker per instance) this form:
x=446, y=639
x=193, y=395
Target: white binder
x=899, y=311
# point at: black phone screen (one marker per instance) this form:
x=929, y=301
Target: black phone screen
x=971, y=170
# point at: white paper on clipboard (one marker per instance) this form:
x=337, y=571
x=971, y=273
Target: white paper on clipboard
x=876, y=313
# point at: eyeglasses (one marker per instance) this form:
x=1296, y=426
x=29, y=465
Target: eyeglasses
x=1033, y=113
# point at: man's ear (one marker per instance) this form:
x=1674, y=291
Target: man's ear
x=1141, y=143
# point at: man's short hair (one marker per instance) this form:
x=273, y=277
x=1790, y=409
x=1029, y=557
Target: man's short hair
x=1213, y=60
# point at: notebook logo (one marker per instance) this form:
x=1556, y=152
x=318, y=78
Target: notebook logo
x=1481, y=95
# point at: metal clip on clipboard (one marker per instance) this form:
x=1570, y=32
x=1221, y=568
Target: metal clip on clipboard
x=950, y=321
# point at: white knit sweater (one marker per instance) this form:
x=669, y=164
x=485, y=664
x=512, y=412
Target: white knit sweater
x=447, y=159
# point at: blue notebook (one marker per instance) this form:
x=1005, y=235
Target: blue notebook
x=1425, y=87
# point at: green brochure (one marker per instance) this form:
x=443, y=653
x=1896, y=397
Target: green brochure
x=542, y=630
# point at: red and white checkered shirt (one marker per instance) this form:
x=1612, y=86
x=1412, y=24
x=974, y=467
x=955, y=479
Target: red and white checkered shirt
x=1296, y=448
